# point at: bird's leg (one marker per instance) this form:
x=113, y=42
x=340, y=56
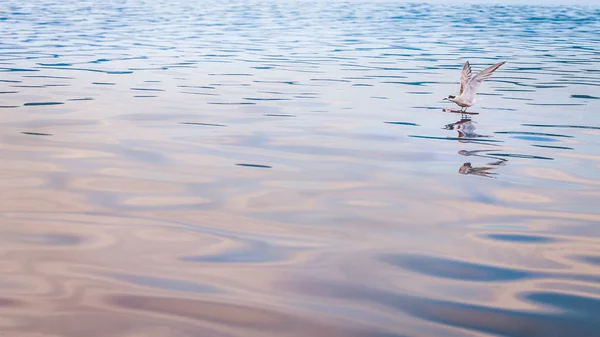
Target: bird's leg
x=464, y=112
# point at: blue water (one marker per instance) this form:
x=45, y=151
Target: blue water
x=289, y=168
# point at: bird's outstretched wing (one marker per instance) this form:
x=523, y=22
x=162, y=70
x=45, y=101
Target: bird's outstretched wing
x=475, y=81
x=465, y=76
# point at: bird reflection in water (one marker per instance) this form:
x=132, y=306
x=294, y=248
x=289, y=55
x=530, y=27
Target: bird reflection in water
x=465, y=128
x=483, y=171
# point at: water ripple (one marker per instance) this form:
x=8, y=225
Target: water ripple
x=289, y=168
x=458, y=270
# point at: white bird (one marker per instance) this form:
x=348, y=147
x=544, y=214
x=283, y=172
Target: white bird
x=469, y=85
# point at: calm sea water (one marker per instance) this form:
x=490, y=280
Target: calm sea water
x=285, y=168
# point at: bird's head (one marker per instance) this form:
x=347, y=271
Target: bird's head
x=449, y=98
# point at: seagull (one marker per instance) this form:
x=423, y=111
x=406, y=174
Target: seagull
x=469, y=85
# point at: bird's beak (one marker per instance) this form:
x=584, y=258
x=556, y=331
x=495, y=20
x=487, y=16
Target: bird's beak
x=445, y=99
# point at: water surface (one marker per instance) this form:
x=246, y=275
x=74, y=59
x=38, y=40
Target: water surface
x=287, y=168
